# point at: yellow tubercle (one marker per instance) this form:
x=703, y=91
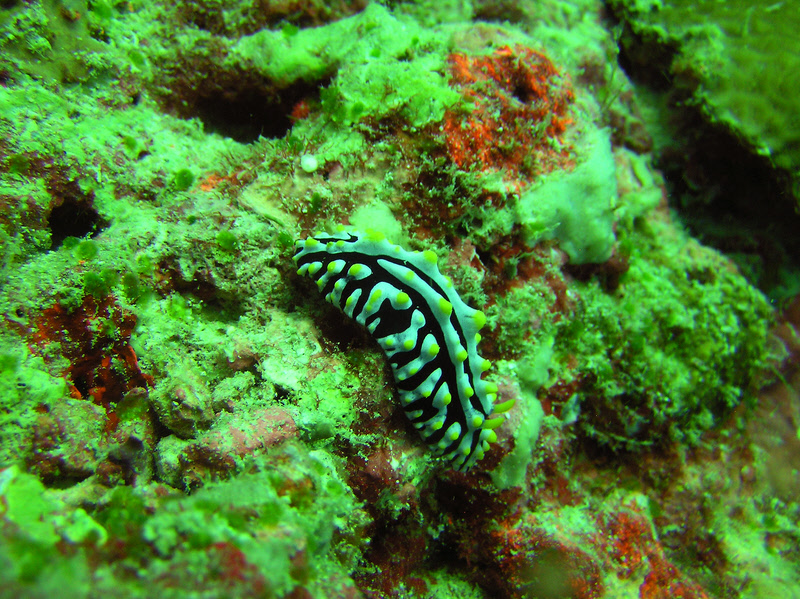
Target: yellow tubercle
x=430, y=256
x=504, y=407
x=445, y=306
x=375, y=236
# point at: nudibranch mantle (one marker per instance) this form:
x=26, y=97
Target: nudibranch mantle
x=429, y=335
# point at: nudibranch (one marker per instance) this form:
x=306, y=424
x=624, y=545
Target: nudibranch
x=429, y=335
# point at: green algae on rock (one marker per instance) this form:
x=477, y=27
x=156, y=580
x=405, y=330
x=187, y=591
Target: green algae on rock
x=739, y=60
x=674, y=351
x=236, y=438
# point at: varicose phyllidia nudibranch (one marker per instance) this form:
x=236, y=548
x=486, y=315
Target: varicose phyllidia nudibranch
x=427, y=332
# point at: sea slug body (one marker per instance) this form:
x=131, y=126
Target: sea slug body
x=428, y=333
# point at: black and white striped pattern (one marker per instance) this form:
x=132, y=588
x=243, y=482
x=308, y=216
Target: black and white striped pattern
x=428, y=333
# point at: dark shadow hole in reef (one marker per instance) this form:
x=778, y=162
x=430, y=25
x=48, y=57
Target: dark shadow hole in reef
x=727, y=195
x=245, y=114
x=499, y=11
x=233, y=102
x=736, y=202
x=73, y=216
x=215, y=17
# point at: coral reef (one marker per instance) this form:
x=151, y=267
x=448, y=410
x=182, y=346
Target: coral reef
x=184, y=415
x=738, y=61
x=721, y=78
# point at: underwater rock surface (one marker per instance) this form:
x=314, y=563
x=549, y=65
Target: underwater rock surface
x=183, y=415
